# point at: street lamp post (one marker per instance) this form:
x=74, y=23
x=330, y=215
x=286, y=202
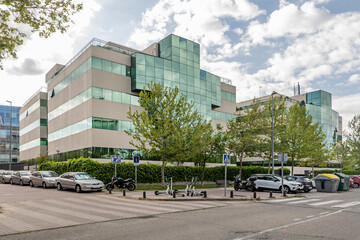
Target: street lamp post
x=10, y=133
x=272, y=131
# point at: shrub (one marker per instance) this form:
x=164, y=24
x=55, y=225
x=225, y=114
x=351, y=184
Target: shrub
x=148, y=173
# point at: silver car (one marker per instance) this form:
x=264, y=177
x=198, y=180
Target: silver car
x=43, y=178
x=5, y=176
x=20, y=177
x=79, y=181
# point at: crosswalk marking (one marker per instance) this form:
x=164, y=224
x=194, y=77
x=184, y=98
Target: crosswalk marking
x=284, y=200
x=325, y=203
x=304, y=201
x=345, y=205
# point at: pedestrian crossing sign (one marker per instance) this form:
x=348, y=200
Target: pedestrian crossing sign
x=226, y=158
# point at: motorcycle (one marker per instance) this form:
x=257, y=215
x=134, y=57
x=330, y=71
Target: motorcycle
x=248, y=184
x=121, y=183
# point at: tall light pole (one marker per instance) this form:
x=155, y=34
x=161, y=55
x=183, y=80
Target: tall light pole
x=58, y=155
x=272, y=131
x=10, y=132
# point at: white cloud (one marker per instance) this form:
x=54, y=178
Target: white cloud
x=347, y=106
x=198, y=20
x=354, y=79
x=238, y=31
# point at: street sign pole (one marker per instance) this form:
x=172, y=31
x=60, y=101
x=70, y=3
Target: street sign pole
x=226, y=161
x=282, y=174
x=135, y=174
x=115, y=159
x=136, y=161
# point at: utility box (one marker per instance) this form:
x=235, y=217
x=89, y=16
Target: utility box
x=327, y=183
x=344, y=184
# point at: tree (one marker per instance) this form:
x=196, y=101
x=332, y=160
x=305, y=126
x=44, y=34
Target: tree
x=353, y=139
x=264, y=149
x=298, y=133
x=168, y=127
x=216, y=146
x=42, y=16
x=341, y=153
x=244, y=131
x=318, y=154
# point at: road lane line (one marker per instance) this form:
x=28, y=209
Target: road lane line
x=325, y=203
x=310, y=216
x=304, y=201
x=345, y=205
x=297, y=219
x=287, y=225
x=284, y=200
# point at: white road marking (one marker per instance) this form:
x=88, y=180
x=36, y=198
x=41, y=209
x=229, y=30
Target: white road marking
x=284, y=200
x=310, y=216
x=323, y=213
x=324, y=203
x=345, y=205
x=288, y=225
x=304, y=201
x=297, y=219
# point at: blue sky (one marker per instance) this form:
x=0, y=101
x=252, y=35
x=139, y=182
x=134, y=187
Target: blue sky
x=261, y=45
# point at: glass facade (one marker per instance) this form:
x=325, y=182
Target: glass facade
x=5, y=137
x=319, y=105
x=179, y=65
x=92, y=62
x=32, y=126
x=36, y=105
x=92, y=122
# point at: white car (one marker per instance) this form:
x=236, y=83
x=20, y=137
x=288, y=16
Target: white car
x=267, y=181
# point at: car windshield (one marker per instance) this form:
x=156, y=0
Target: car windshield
x=278, y=178
x=306, y=179
x=83, y=176
x=8, y=173
x=50, y=174
x=25, y=174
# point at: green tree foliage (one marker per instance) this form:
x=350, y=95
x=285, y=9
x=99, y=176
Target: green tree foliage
x=341, y=153
x=244, y=131
x=42, y=16
x=353, y=139
x=168, y=127
x=275, y=106
x=215, y=148
x=298, y=134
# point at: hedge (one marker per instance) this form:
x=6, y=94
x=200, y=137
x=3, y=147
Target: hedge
x=347, y=172
x=148, y=173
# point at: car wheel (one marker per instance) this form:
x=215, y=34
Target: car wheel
x=31, y=184
x=44, y=185
x=3, y=181
x=286, y=189
x=356, y=185
x=78, y=189
x=59, y=187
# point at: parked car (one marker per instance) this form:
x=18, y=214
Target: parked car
x=20, y=177
x=307, y=183
x=356, y=181
x=267, y=181
x=5, y=176
x=79, y=181
x=43, y=178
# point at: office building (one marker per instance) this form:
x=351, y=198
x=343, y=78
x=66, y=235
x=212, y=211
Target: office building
x=7, y=112
x=33, y=126
x=89, y=97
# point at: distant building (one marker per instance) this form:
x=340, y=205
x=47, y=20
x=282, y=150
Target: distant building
x=33, y=126
x=319, y=105
x=5, y=137
x=89, y=97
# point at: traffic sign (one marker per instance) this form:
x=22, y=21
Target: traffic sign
x=115, y=159
x=282, y=157
x=136, y=160
x=226, y=158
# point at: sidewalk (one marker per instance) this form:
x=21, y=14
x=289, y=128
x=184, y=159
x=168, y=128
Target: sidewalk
x=212, y=194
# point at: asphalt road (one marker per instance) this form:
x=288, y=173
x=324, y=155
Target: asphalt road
x=320, y=216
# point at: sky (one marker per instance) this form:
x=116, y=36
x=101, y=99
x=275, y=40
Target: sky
x=261, y=45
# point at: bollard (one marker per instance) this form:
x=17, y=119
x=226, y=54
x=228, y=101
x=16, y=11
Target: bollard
x=284, y=194
x=205, y=194
x=254, y=194
x=124, y=193
x=109, y=189
x=144, y=194
x=174, y=194
x=271, y=194
x=231, y=194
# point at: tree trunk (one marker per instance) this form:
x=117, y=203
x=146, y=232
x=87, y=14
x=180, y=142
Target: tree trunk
x=312, y=171
x=269, y=165
x=203, y=172
x=292, y=165
x=163, y=173
x=240, y=169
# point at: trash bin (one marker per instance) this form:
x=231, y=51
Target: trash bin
x=327, y=183
x=344, y=184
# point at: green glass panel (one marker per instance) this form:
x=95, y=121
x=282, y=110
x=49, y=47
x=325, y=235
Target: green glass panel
x=149, y=61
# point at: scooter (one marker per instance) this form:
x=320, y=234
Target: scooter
x=167, y=191
x=193, y=192
x=121, y=183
